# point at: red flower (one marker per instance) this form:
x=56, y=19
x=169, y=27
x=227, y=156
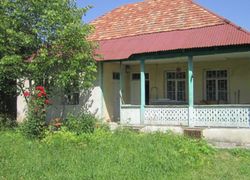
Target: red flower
x=40, y=94
x=47, y=101
x=40, y=88
x=44, y=93
x=26, y=94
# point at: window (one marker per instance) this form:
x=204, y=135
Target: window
x=137, y=76
x=216, y=85
x=116, y=76
x=176, y=86
x=71, y=99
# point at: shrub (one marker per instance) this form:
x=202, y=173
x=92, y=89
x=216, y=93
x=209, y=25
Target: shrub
x=34, y=125
x=7, y=122
x=84, y=123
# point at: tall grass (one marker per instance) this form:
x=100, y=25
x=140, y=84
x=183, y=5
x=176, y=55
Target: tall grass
x=120, y=155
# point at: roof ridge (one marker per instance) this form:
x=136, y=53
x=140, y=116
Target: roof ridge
x=136, y=35
x=227, y=21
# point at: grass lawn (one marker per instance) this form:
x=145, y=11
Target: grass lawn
x=119, y=155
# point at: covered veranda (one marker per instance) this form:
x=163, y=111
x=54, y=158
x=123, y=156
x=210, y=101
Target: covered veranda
x=192, y=106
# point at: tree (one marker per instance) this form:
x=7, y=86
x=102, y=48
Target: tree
x=45, y=41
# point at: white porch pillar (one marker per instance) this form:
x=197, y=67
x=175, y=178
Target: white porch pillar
x=142, y=79
x=190, y=91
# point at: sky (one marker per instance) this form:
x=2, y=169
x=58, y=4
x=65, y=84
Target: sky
x=237, y=11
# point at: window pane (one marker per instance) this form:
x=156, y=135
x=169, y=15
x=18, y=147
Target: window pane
x=222, y=85
x=136, y=76
x=211, y=74
x=171, y=75
x=116, y=76
x=222, y=74
x=222, y=90
x=211, y=90
x=180, y=75
x=181, y=91
x=171, y=90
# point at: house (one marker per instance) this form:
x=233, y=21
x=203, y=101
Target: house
x=167, y=62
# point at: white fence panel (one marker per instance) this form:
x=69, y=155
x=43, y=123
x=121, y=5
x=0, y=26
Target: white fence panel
x=166, y=115
x=221, y=116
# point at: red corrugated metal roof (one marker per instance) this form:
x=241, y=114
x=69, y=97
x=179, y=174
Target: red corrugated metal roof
x=213, y=36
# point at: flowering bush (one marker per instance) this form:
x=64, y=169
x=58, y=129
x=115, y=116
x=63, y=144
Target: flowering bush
x=35, y=123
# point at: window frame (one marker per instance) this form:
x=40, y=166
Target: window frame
x=116, y=76
x=176, y=85
x=216, y=84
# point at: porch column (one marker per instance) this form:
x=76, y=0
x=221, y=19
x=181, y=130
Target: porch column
x=190, y=91
x=142, y=107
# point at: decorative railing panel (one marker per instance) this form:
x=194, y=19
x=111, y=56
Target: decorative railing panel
x=221, y=116
x=166, y=115
x=203, y=115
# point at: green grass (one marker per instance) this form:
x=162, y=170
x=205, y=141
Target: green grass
x=119, y=155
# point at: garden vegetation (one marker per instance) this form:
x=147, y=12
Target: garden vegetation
x=123, y=154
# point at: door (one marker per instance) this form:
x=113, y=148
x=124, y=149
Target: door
x=136, y=89
x=116, y=99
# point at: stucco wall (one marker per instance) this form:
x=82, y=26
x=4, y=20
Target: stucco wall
x=104, y=107
x=22, y=105
x=91, y=101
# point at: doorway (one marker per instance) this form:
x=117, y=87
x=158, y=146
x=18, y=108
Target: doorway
x=136, y=89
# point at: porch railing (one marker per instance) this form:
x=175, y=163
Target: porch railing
x=222, y=116
x=162, y=115
x=203, y=115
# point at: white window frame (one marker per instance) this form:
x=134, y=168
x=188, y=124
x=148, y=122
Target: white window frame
x=205, y=83
x=176, y=84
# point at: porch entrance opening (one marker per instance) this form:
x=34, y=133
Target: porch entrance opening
x=116, y=99
x=135, y=89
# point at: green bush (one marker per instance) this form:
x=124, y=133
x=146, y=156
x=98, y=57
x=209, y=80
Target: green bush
x=84, y=123
x=7, y=122
x=34, y=126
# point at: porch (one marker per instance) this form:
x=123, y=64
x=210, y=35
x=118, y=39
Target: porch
x=191, y=91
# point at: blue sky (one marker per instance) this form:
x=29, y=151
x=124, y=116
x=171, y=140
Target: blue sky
x=237, y=11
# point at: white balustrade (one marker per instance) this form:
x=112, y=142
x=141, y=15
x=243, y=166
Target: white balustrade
x=160, y=115
x=203, y=115
x=222, y=116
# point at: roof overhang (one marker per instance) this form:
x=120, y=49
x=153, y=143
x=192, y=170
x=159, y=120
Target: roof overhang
x=207, y=40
